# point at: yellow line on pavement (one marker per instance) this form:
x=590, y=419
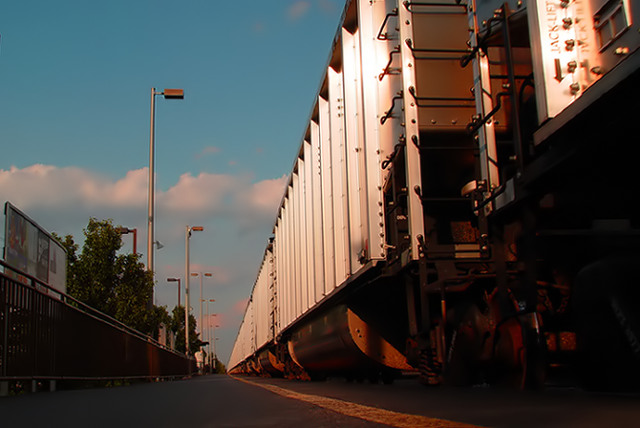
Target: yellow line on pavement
x=368, y=413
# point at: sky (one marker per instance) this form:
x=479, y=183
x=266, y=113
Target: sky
x=75, y=88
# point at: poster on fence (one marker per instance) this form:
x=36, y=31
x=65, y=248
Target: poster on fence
x=30, y=249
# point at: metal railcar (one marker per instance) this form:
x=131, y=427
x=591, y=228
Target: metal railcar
x=463, y=202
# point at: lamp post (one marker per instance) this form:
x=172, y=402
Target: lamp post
x=177, y=94
x=212, y=341
x=215, y=357
x=200, y=302
x=209, y=275
x=200, y=320
x=125, y=231
x=186, y=286
x=207, y=330
x=178, y=281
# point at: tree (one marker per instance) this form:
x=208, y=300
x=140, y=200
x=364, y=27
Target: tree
x=220, y=368
x=133, y=292
x=95, y=270
x=159, y=316
x=117, y=285
x=72, y=248
x=177, y=326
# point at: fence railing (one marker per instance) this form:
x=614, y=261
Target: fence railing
x=48, y=335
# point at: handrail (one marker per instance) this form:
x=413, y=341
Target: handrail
x=48, y=335
x=82, y=307
x=385, y=36
x=412, y=91
x=409, y=4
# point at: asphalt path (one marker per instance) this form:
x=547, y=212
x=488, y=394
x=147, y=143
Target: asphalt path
x=224, y=401
x=205, y=401
x=483, y=406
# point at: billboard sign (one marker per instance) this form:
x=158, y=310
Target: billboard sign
x=30, y=249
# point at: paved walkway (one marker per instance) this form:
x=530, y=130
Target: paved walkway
x=208, y=401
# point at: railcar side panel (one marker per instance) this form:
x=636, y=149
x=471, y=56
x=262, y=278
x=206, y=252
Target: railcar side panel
x=356, y=173
x=262, y=296
x=377, y=142
x=318, y=213
x=308, y=223
x=328, y=228
x=338, y=172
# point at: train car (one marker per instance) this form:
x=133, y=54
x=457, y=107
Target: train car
x=463, y=201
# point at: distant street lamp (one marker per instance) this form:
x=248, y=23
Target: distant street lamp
x=178, y=281
x=177, y=94
x=209, y=274
x=208, y=329
x=186, y=286
x=215, y=357
x=212, y=340
x=125, y=231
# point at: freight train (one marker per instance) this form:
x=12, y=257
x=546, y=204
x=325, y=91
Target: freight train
x=464, y=202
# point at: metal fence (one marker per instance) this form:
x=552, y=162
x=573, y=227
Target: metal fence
x=52, y=336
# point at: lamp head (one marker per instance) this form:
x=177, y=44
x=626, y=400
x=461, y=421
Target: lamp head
x=174, y=94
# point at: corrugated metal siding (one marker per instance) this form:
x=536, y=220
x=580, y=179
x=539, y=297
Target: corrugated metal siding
x=331, y=219
x=245, y=342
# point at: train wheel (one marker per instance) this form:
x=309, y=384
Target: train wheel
x=518, y=353
x=607, y=325
x=468, y=347
x=429, y=370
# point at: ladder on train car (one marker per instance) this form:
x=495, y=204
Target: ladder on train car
x=489, y=105
x=453, y=233
x=502, y=161
x=448, y=140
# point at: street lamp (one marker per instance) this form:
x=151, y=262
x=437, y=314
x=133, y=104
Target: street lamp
x=215, y=357
x=125, y=231
x=212, y=341
x=186, y=286
x=178, y=281
x=207, y=330
x=200, y=275
x=176, y=94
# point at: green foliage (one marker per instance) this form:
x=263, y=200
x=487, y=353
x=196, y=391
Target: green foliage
x=177, y=326
x=159, y=315
x=72, y=248
x=94, y=271
x=117, y=285
x=133, y=293
x=220, y=368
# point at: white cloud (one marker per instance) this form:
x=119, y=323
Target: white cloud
x=298, y=10
x=60, y=198
x=210, y=150
x=258, y=27
x=240, y=306
x=236, y=211
x=48, y=186
x=264, y=196
x=127, y=191
x=202, y=194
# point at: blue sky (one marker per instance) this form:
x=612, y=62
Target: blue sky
x=75, y=82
